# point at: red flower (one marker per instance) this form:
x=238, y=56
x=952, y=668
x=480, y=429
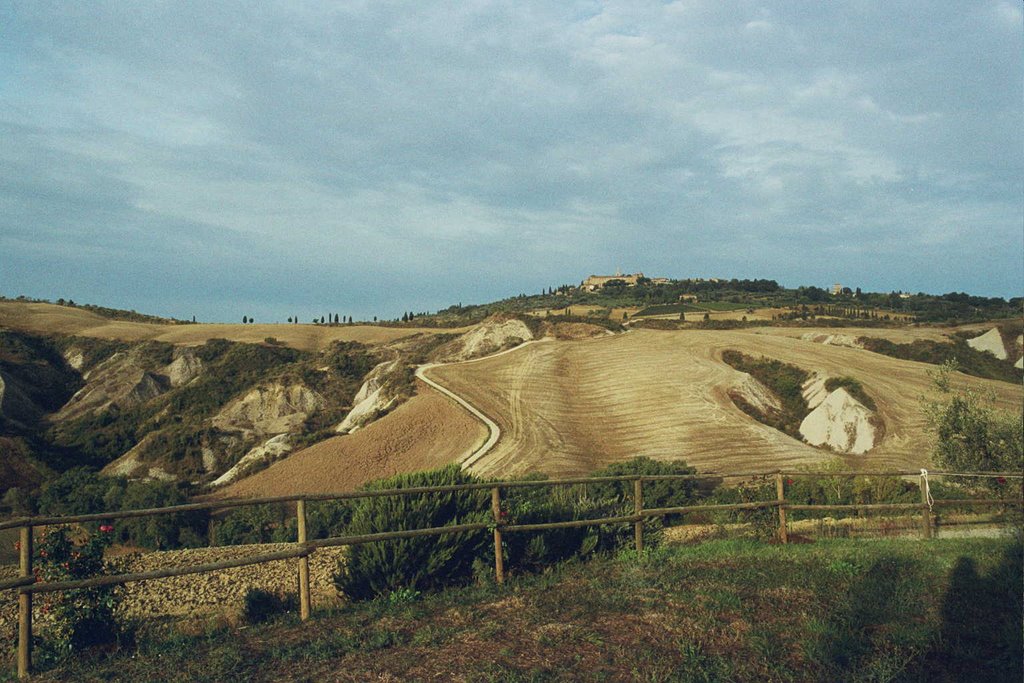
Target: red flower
x=106, y=528
x=789, y=482
x=17, y=545
x=1001, y=480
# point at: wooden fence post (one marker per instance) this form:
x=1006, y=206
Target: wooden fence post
x=300, y=513
x=25, y=607
x=499, y=558
x=638, y=506
x=780, y=494
x=926, y=524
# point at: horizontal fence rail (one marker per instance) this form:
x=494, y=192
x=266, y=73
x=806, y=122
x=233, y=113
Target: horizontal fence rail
x=27, y=585
x=228, y=503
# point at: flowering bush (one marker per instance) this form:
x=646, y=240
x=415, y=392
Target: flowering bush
x=80, y=617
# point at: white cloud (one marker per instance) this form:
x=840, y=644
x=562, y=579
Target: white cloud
x=1009, y=13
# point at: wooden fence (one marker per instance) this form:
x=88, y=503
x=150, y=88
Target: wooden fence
x=27, y=586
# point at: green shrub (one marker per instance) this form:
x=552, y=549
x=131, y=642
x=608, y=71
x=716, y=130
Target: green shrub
x=763, y=521
x=160, y=532
x=82, y=617
x=656, y=494
x=424, y=563
x=535, y=550
x=254, y=524
x=972, y=434
x=80, y=491
x=328, y=518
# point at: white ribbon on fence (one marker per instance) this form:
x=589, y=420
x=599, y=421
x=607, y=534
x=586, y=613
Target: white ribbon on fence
x=927, y=488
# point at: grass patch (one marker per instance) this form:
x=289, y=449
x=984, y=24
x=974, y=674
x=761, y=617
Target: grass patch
x=724, y=610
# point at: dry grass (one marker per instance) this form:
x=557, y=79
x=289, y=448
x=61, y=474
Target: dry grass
x=570, y=408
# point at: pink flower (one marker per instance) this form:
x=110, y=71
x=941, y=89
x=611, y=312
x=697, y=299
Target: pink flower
x=106, y=528
x=1001, y=480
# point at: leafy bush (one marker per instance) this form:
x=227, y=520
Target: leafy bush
x=328, y=518
x=656, y=494
x=763, y=521
x=971, y=434
x=535, y=550
x=160, y=532
x=254, y=524
x=424, y=563
x=80, y=491
x=82, y=617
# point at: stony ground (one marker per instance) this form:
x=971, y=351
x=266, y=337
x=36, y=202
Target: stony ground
x=200, y=595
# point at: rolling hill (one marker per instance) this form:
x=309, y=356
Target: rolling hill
x=569, y=408
x=577, y=401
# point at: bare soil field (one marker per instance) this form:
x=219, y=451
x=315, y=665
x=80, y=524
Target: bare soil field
x=427, y=431
x=50, y=318
x=567, y=408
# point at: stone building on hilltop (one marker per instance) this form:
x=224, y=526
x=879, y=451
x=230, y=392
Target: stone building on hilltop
x=596, y=282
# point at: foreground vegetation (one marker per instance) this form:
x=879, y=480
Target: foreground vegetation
x=724, y=610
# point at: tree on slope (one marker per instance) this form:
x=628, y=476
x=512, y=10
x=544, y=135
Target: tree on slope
x=971, y=433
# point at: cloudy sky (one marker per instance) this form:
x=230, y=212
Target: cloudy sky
x=221, y=158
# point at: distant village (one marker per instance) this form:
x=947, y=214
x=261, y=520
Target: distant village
x=596, y=282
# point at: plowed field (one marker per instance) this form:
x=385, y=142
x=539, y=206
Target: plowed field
x=567, y=408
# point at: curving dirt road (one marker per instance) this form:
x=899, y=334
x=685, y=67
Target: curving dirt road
x=493, y=430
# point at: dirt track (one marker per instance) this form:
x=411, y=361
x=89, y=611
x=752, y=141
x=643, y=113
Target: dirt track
x=49, y=318
x=569, y=408
x=427, y=431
